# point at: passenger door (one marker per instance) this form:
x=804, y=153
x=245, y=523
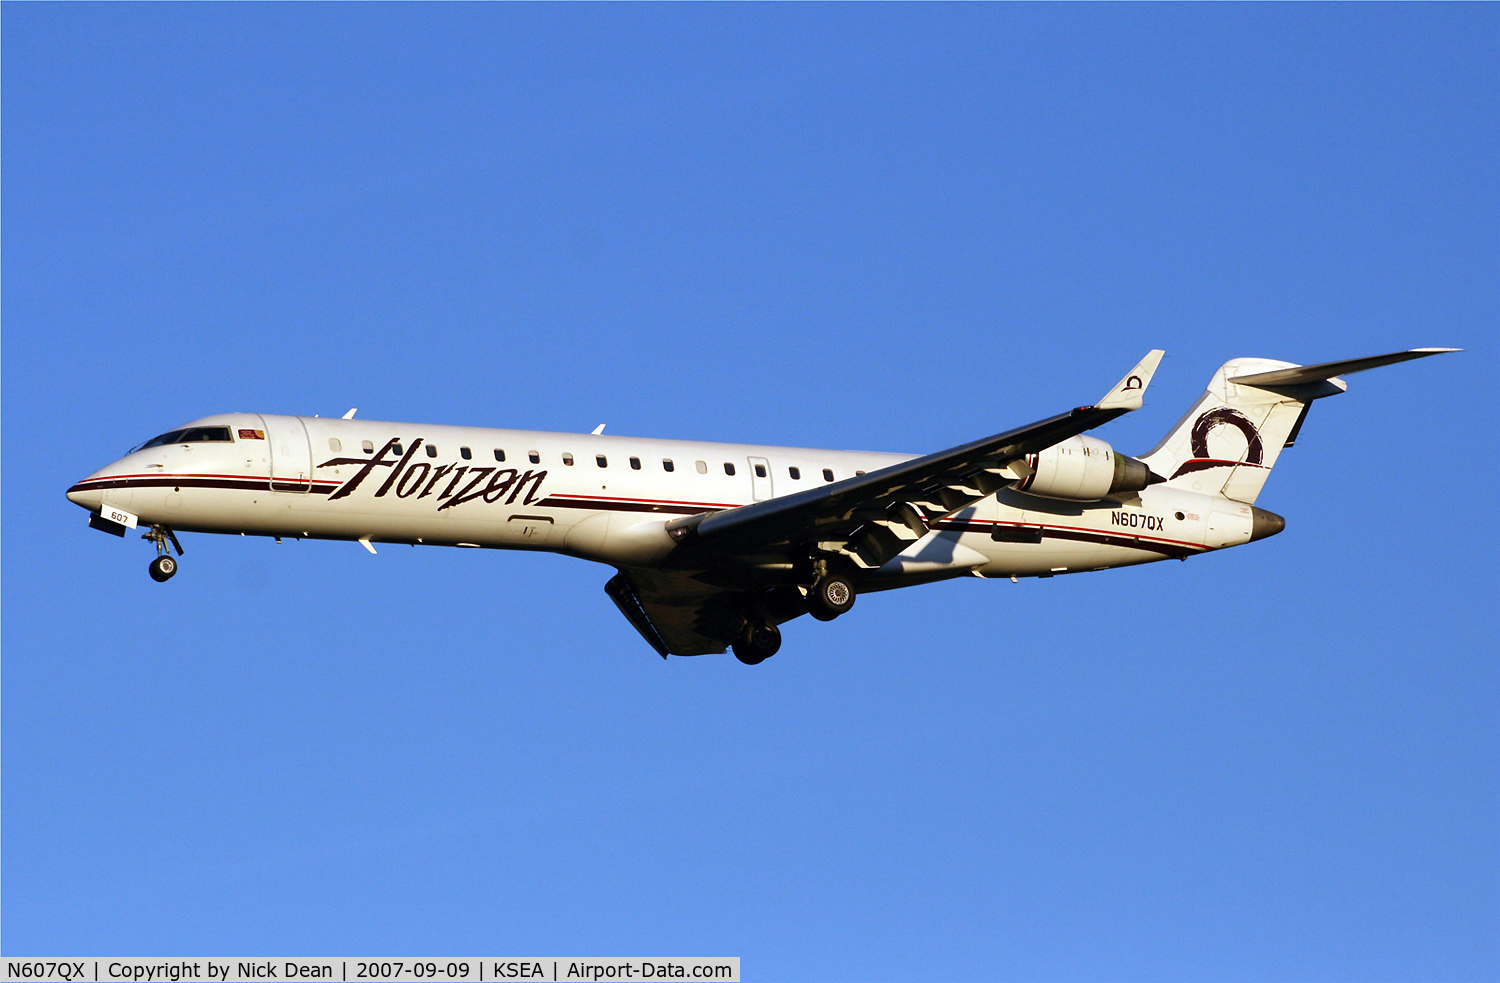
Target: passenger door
x=291, y=455
x=760, y=479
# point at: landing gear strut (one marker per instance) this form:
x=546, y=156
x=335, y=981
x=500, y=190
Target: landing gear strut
x=757, y=643
x=164, y=566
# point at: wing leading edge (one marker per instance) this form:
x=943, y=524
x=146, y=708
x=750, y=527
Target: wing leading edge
x=874, y=516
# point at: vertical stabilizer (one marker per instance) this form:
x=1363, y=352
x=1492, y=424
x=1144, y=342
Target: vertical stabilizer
x=1229, y=441
x=1253, y=407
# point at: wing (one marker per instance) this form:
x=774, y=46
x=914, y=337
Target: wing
x=676, y=614
x=874, y=516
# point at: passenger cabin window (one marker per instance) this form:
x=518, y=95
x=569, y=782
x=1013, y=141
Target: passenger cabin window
x=396, y=449
x=859, y=472
x=828, y=474
x=334, y=445
x=568, y=460
x=635, y=464
x=796, y=473
x=728, y=468
x=702, y=467
x=499, y=454
x=667, y=465
x=465, y=453
x=601, y=461
x=760, y=470
x=432, y=450
x=535, y=457
x=368, y=447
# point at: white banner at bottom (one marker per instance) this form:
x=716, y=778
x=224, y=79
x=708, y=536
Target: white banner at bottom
x=469, y=969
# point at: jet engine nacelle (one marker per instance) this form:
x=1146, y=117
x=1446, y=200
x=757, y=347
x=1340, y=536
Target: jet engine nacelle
x=1084, y=469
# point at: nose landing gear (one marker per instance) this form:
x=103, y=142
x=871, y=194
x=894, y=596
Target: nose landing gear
x=164, y=566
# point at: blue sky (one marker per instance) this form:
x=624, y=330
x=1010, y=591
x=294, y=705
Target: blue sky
x=883, y=227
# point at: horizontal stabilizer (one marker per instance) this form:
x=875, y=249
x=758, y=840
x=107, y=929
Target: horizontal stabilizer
x=1302, y=374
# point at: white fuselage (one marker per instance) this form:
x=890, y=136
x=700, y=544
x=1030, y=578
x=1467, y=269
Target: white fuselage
x=600, y=497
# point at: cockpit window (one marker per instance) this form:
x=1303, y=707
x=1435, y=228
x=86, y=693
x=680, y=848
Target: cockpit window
x=192, y=435
x=170, y=437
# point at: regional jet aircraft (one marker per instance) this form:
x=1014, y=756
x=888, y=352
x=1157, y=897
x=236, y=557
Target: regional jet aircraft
x=715, y=545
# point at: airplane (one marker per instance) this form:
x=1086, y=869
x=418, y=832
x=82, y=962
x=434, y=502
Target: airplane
x=717, y=545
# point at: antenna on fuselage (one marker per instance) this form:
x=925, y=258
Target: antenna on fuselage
x=350, y=414
x=597, y=430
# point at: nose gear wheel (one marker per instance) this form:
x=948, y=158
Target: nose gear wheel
x=164, y=566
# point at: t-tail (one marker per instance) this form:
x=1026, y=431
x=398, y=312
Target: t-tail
x=1252, y=409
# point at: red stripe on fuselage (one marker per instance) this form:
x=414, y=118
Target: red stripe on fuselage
x=232, y=481
x=1167, y=547
x=569, y=501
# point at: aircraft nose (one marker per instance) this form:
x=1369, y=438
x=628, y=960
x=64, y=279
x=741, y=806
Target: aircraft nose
x=88, y=492
x=90, y=499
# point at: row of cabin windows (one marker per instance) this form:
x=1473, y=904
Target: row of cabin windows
x=195, y=434
x=635, y=463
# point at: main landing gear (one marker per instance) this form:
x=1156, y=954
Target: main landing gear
x=757, y=643
x=164, y=566
x=830, y=596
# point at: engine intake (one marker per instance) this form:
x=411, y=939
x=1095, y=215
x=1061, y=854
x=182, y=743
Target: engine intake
x=1084, y=469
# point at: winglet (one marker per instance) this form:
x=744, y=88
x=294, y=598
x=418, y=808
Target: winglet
x=1128, y=391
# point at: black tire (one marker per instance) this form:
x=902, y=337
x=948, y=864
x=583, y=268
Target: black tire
x=819, y=614
x=757, y=644
x=830, y=597
x=162, y=568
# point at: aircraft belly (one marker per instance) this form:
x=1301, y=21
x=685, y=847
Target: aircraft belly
x=500, y=526
x=936, y=552
x=1053, y=556
x=1060, y=537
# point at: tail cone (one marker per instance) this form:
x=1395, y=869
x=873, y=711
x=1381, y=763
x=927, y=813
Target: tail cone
x=1265, y=524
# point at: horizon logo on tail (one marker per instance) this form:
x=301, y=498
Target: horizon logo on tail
x=1202, y=460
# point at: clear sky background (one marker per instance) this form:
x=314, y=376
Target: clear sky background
x=881, y=227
